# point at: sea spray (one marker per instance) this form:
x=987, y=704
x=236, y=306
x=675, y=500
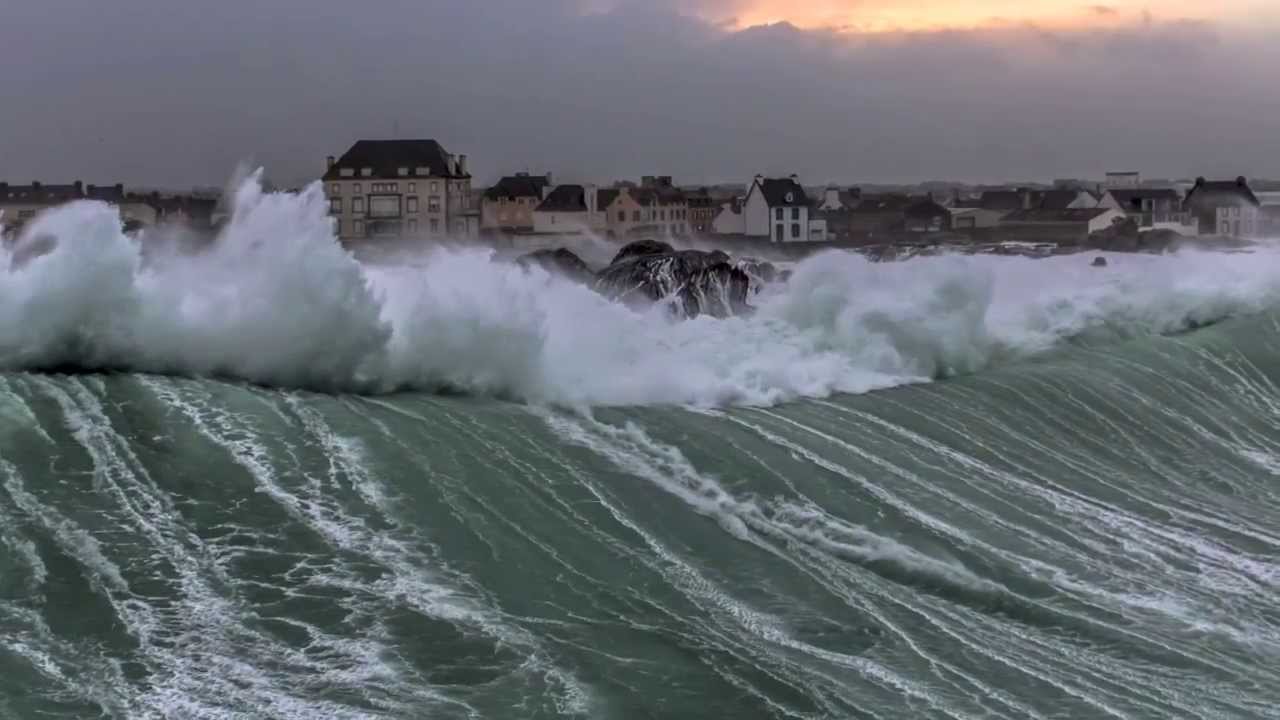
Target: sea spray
x=276, y=300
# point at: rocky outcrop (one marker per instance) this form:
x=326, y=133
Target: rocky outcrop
x=640, y=248
x=761, y=272
x=694, y=282
x=559, y=262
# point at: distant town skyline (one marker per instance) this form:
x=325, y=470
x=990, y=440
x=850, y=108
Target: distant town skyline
x=149, y=92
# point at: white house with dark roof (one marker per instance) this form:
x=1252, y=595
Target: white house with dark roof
x=400, y=188
x=1224, y=207
x=779, y=209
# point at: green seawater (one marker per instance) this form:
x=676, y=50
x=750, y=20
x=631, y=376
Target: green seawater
x=1093, y=534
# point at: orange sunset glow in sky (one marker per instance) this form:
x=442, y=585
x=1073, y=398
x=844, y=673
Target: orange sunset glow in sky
x=926, y=15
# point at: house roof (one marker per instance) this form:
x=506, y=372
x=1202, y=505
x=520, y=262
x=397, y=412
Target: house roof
x=1131, y=198
x=888, y=202
x=783, y=192
x=386, y=157
x=565, y=198
x=1044, y=215
x=1054, y=199
x=1001, y=200
x=1216, y=193
x=605, y=197
x=517, y=186
x=925, y=208
x=646, y=196
x=40, y=193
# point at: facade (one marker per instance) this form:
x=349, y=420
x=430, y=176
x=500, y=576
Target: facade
x=1148, y=207
x=1118, y=180
x=1223, y=207
x=729, y=219
x=19, y=204
x=926, y=216
x=974, y=218
x=386, y=189
x=509, y=205
x=568, y=210
x=664, y=209
x=778, y=208
x=878, y=217
x=703, y=209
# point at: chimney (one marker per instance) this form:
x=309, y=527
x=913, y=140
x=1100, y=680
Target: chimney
x=79, y=188
x=462, y=164
x=330, y=162
x=1241, y=182
x=35, y=184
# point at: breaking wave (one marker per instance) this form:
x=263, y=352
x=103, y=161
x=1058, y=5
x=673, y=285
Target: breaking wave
x=275, y=300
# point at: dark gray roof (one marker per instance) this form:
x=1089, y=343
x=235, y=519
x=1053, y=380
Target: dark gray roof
x=565, y=198
x=1001, y=200
x=51, y=194
x=517, y=186
x=1054, y=199
x=605, y=197
x=924, y=208
x=386, y=157
x=1043, y=215
x=886, y=202
x=1217, y=193
x=783, y=192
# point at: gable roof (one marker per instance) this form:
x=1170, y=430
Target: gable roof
x=924, y=208
x=1044, y=215
x=565, y=198
x=517, y=186
x=1000, y=200
x=1054, y=199
x=887, y=202
x=606, y=196
x=386, y=157
x=782, y=192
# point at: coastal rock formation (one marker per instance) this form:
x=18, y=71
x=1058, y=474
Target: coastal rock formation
x=559, y=262
x=695, y=282
x=761, y=272
x=640, y=248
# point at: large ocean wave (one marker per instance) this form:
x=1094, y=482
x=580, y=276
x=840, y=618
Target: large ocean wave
x=275, y=300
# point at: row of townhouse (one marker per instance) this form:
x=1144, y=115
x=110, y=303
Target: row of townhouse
x=20, y=204
x=523, y=204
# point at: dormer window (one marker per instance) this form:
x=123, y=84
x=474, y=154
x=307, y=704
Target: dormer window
x=791, y=197
x=422, y=171
x=346, y=172
x=366, y=172
x=402, y=172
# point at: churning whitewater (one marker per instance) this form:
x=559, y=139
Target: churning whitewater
x=266, y=480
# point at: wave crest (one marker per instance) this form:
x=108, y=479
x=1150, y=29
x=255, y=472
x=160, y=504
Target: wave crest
x=275, y=300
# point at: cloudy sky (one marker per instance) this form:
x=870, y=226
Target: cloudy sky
x=167, y=93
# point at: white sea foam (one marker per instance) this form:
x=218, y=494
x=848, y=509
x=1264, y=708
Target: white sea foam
x=275, y=300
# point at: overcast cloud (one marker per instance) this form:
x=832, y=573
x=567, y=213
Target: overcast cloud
x=170, y=93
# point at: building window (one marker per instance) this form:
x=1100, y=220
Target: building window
x=336, y=189
x=335, y=205
x=366, y=172
x=384, y=206
x=402, y=171
x=435, y=186
x=358, y=228
x=413, y=225
x=423, y=171
x=356, y=188
x=433, y=204
x=413, y=187
x=777, y=213
x=635, y=216
x=795, y=213
x=412, y=205
x=435, y=225
x=357, y=204
x=622, y=216
x=346, y=172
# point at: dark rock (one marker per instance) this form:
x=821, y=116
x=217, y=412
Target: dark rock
x=558, y=262
x=695, y=282
x=1099, y=262
x=761, y=272
x=640, y=248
